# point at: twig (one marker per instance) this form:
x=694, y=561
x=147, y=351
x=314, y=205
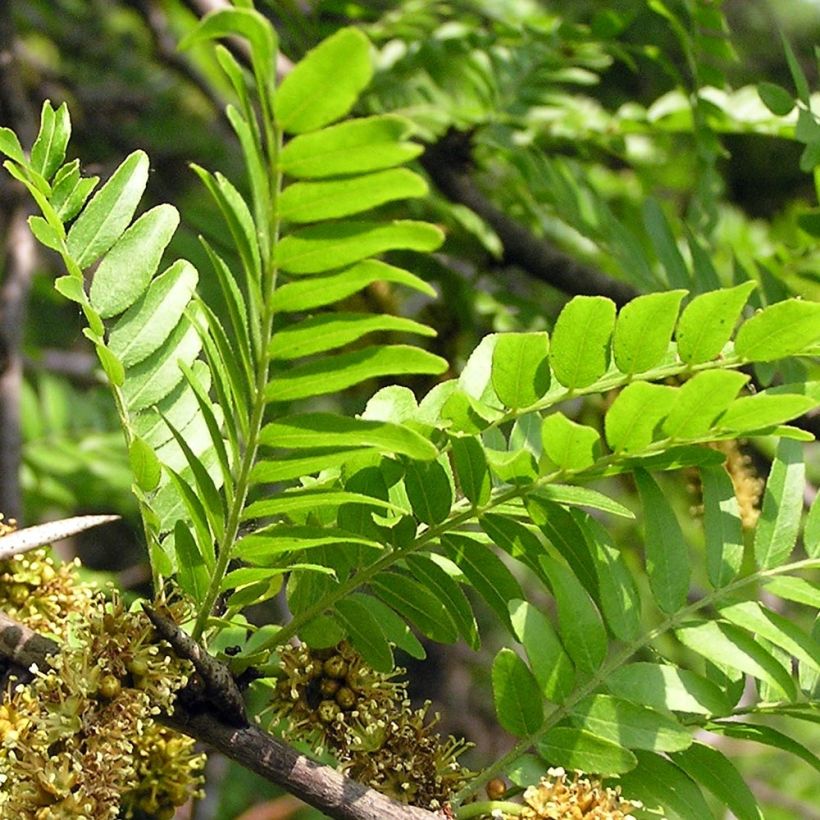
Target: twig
x=534, y=255
x=20, y=541
x=320, y=786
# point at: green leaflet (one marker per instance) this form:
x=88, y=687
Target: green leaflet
x=580, y=345
x=318, y=291
x=520, y=368
x=392, y=625
x=779, y=521
x=800, y=590
x=776, y=98
x=550, y=664
x=569, y=445
x=643, y=330
x=324, y=85
x=144, y=464
x=69, y=191
x=665, y=245
x=192, y=571
x=580, y=626
x=471, y=469
x=780, y=330
x=722, y=525
x=352, y=147
x=416, y=603
x=724, y=643
x=751, y=413
x=811, y=533
x=310, y=430
x=153, y=378
x=630, y=725
x=303, y=464
x=656, y=781
x=334, y=373
x=317, y=334
x=145, y=326
x=307, y=500
x=700, y=401
x=707, y=322
x=767, y=736
x=267, y=545
x=516, y=695
x=667, y=556
x=636, y=414
x=716, y=772
x=321, y=248
x=48, y=151
x=428, y=490
x=366, y=634
x=10, y=146
x=107, y=215
x=582, y=750
x=128, y=267
x=314, y=201
x=666, y=687
x=582, y=497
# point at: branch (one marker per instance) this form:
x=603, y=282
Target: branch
x=320, y=786
x=444, y=163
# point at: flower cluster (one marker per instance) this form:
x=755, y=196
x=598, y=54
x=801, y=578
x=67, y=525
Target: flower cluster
x=334, y=701
x=79, y=739
x=557, y=797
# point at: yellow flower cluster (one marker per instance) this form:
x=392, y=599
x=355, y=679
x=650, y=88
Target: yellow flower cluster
x=79, y=739
x=558, y=797
x=334, y=701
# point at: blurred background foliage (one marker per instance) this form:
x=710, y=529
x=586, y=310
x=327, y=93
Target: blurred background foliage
x=577, y=119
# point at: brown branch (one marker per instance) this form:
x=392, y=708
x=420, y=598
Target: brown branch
x=320, y=786
x=531, y=253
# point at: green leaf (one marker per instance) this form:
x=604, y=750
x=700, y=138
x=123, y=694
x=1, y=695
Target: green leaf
x=630, y=725
x=516, y=695
x=310, y=500
x=582, y=631
x=267, y=545
x=107, y=215
x=569, y=445
x=471, y=468
x=486, y=572
x=583, y=751
x=325, y=84
x=304, y=463
x=512, y=467
x=144, y=464
x=707, y=322
x=48, y=151
x=726, y=644
x=323, y=247
x=394, y=628
x=155, y=377
x=44, y=233
x=800, y=81
x=318, y=291
x=636, y=414
x=751, y=413
x=337, y=372
x=799, y=590
x=520, y=368
x=366, y=634
x=811, y=532
x=314, y=201
x=309, y=430
x=665, y=245
x=514, y=538
x=146, y=325
x=429, y=491
x=582, y=497
x=192, y=572
x=352, y=147
x=579, y=352
x=667, y=687
x=317, y=334
x=779, y=101
x=644, y=329
x=782, y=329
x=10, y=146
x=782, y=632
x=700, y=401
x=111, y=365
x=617, y=593
x=779, y=521
x=249, y=24
x=667, y=556
x=767, y=736
x=442, y=585
x=722, y=526
x=656, y=781
x=550, y=664
x=417, y=604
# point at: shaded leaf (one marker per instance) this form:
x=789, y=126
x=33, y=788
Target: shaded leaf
x=366, y=634
x=516, y=695
x=722, y=526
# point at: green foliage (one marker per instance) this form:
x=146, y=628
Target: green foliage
x=392, y=521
